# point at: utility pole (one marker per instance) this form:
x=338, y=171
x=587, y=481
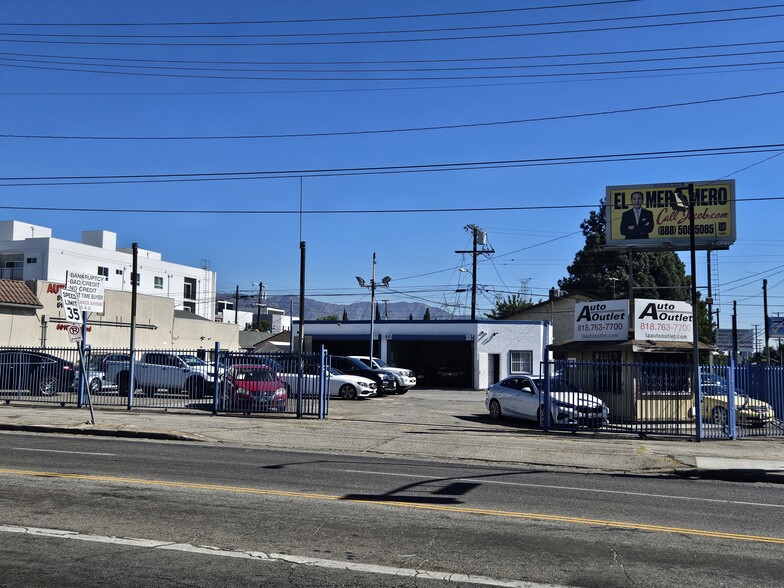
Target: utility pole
x=479, y=237
x=765, y=304
x=258, y=305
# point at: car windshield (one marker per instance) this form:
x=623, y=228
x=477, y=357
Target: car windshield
x=254, y=374
x=192, y=360
x=334, y=371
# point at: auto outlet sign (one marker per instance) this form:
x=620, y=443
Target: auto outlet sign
x=663, y=320
x=606, y=320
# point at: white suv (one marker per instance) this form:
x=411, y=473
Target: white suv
x=404, y=379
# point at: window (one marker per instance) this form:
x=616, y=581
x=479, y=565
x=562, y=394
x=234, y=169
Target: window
x=103, y=271
x=118, y=272
x=32, y=260
x=521, y=362
x=158, y=283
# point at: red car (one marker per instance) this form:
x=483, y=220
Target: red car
x=255, y=388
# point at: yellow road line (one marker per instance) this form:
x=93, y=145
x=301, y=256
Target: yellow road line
x=443, y=508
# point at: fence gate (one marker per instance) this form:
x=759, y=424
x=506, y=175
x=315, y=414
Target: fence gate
x=658, y=398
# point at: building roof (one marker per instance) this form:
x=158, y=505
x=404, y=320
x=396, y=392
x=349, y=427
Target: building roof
x=636, y=345
x=572, y=296
x=16, y=293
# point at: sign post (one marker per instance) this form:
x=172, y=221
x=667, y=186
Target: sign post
x=87, y=291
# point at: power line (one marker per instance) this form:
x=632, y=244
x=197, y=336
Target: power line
x=415, y=61
x=374, y=77
x=400, y=31
x=453, y=166
x=323, y=20
x=390, y=41
x=398, y=130
x=330, y=211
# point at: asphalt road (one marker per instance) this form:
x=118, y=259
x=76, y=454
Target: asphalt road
x=206, y=515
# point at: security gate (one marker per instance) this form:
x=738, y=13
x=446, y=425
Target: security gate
x=658, y=398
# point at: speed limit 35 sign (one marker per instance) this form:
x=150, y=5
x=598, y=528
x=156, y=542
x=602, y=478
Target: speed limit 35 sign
x=70, y=300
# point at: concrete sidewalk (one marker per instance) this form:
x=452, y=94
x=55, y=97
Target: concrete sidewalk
x=424, y=424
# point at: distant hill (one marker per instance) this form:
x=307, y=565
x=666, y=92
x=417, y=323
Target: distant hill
x=358, y=311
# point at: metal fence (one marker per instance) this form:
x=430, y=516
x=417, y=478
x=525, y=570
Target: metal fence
x=212, y=380
x=658, y=398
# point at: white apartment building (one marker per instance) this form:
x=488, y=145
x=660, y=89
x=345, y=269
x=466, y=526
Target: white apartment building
x=29, y=252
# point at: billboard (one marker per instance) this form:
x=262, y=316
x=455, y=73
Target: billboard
x=605, y=320
x=645, y=216
x=745, y=340
x=663, y=320
x=776, y=327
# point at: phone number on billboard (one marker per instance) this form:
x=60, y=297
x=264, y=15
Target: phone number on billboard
x=600, y=327
x=675, y=328
x=685, y=230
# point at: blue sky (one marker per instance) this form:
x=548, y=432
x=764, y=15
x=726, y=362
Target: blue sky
x=42, y=95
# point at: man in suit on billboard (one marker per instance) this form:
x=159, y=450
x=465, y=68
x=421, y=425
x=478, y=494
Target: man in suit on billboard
x=637, y=223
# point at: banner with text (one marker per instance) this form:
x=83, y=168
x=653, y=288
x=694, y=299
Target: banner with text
x=89, y=288
x=606, y=320
x=745, y=340
x=662, y=320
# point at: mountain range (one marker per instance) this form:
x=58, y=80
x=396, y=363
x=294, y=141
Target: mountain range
x=357, y=311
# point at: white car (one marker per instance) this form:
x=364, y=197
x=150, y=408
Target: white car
x=404, y=379
x=340, y=385
x=349, y=387
x=522, y=397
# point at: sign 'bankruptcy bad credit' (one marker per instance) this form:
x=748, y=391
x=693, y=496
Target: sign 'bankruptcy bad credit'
x=605, y=320
x=662, y=320
x=646, y=216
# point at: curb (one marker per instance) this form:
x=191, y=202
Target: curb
x=155, y=435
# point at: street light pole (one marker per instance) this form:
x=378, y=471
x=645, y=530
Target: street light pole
x=372, y=307
x=695, y=330
x=372, y=287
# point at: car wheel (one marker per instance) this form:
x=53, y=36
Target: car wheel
x=46, y=385
x=95, y=386
x=196, y=387
x=400, y=391
x=495, y=410
x=347, y=392
x=719, y=415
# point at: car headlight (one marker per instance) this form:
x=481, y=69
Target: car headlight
x=363, y=384
x=563, y=404
x=280, y=392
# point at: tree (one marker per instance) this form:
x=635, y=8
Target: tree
x=511, y=305
x=426, y=317
x=329, y=317
x=410, y=317
x=604, y=273
x=345, y=315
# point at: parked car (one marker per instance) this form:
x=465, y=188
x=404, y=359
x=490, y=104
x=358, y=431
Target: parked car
x=522, y=397
x=385, y=381
x=163, y=369
x=38, y=372
x=340, y=385
x=715, y=404
x=229, y=359
x=349, y=387
x=253, y=388
x=453, y=372
x=404, y=379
